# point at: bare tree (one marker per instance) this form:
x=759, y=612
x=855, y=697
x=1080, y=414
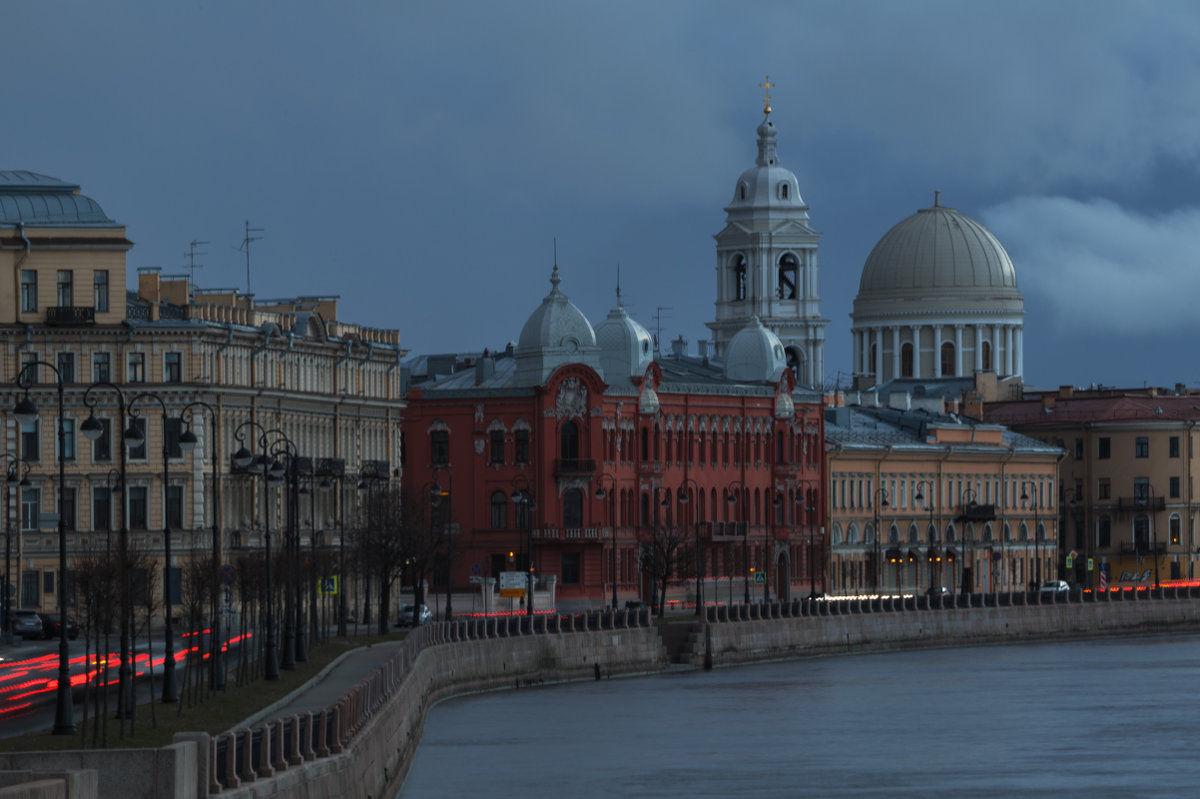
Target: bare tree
x=670, y=555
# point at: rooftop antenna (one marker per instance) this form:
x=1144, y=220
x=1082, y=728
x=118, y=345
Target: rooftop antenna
x=658, y=317
x=246, y=246
x=191, y=256
x=619, y=285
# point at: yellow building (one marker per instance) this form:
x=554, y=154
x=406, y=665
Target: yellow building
x=957, y=503
x=333, y=388
x=1128, y=478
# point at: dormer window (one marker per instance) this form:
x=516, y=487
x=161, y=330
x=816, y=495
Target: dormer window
x=742, y=191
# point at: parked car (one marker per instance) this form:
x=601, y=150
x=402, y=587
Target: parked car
x=424, y=616
x=1055, y=587
x=938, y=590
x=26, y=623
x=51, y=622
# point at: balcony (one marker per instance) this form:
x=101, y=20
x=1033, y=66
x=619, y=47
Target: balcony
x=567, y=467
x=375, y=470
x=70, y=315
x=726, y=531
x=1143, y=547
x=1140, y=503
x=331, y=467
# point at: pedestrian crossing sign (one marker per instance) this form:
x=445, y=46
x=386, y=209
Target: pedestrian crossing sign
x=328, y=586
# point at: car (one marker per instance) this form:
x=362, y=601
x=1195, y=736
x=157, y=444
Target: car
x=27, y=623
x=1055, y=587
x=51, y=623
x=937, y=590
x=424, y=616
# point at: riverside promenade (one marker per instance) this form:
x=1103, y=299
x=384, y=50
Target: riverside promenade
x=351, y=732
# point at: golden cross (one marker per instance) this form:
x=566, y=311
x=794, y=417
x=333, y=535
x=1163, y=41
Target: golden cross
x=766, y=86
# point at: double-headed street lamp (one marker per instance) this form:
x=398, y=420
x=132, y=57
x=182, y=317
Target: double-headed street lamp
x=609, y=499
x=523, y=500
x=1028, y=501
x=11, y=480
x=188, y=442
x=684, y=499
x=930, y=504
x=26, y=413
x=436, y=496
x=326, y=487
x=731, y=496
x=881, y=501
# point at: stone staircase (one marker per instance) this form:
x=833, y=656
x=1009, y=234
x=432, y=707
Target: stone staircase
x=681, y=639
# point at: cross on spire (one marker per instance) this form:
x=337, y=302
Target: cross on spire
x=766, y=85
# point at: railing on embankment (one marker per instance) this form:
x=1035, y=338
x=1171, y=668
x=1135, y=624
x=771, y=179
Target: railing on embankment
x=363, y=744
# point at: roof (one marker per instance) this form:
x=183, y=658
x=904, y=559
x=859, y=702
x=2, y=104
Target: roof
x=27, y=198
x=1124, y=408
x=853, y=427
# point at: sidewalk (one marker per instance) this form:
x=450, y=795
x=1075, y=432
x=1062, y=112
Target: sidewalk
x=334, y=680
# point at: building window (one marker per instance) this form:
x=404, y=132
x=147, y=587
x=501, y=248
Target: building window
x=101, y=509
x=30, y=441
x=102, y=446
x=68, y=439
x=1173, y=487
x=521, y=446
x=1103, y=532
x=789, y=267
x=31, y=502
x=569, y=441
x=1174, y=528
x=66, y=288
x=1105, y=448
x=173, y=367
x=1141, y=490
x=1079, y=449
x=986, y=356
x=66, y=366
x=136, y=371
x=570, y=568
x=572, y=508
x=29, y=302
x=948, y=360
x=100, y=290
x=175, y=507
x=138, y=452
x=101, y=367
x=1141, y=533
x=137, y=508
x=499, y=510
x=906, y=359
x=1173, y=447
x=497, y=446
x=1104, y=488
x=68, y=507
x=172, y=430
x=1141, y=447
x=439, y=447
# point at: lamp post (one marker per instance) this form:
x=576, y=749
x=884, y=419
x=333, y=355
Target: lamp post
x=436, y=495
x=731, y=497
x=523, y=500
x=1027, y=501
x=966, y=502
x=170, y=692
x=11, y=480
x=188, y=442
x=930, y=504
x=603, y=495
x=1068, y=504
x=26, y=413
x=683, y=499
x=259, y=464
x=1146, y=500
x=806, y=511
x=327, y=486
x=881, y=500
x=92, y=429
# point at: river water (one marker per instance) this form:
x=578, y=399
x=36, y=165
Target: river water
x=1112, y=717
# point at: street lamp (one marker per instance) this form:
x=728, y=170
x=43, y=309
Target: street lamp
x=1146, y=500
x=966, y=504
x=881, y=500
x=523, y=500
x=260, y=464
x=1068, y=505
x=26, y=413
x=930, y=504
x=326, y=487
x=602, y=495
x=731, y=497
x=1032, y=501
x=10, y=481
x=188, y=442
x=170, y=692
x=683, y=499
x=436, y=494
x=806, y=511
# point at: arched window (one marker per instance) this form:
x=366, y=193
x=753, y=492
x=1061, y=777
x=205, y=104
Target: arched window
x=739, y=277
x=906, y=359
x=568, y=436
x=572, y=508
x=871, y=365
x=948, y=360
x=783, y=191
x=789, y=268
x=499, y=510
x=986, y=355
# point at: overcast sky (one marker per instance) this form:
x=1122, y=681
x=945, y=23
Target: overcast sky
x=419, y=158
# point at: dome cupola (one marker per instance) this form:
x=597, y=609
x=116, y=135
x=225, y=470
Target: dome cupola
x=556, y=333
x=755, y=355
x=625, y=346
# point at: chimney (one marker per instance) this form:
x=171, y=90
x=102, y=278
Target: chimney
x=679, y=347
x=485, y=367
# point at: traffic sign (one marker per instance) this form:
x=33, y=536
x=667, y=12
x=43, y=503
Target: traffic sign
x=226, y=574
x=760, y=578
x=512, y=584
x=327, y=586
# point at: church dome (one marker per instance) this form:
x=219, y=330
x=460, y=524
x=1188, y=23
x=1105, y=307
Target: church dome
x=938, y=250
x=767, y=184
x=625, y=346
x=755, y=355
x=556, y=323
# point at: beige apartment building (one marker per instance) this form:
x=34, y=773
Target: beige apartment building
x=923, y=496
x=1127, y=484
x=226, y=366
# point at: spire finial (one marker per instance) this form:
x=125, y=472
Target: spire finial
x=937, y=198
x=619, y=284
x=766, y=85
x=554, y=278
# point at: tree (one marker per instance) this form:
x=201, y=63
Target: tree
x=670, y=553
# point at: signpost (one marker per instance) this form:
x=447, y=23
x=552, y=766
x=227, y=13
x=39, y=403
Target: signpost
x=512, y=584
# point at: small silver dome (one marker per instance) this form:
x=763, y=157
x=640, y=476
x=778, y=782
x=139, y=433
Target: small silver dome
x=625, y=346
x=755, y=355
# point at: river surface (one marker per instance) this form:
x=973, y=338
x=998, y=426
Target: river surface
x=1114, y=717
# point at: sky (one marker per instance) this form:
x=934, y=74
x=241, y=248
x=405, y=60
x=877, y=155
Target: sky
x=422, y=160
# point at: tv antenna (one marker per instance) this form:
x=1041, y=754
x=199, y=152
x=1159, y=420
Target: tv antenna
x=658, y=318
x=246, y=246
x=191, y=256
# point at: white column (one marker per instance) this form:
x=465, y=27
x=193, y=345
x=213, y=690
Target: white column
x=916, y=339
x=937, y=350
x=857, y=355
x=1008, y=350
x=978, y=348
x=958, y=351
x=878, y=354
x=895, y=351
x=1020, y=347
